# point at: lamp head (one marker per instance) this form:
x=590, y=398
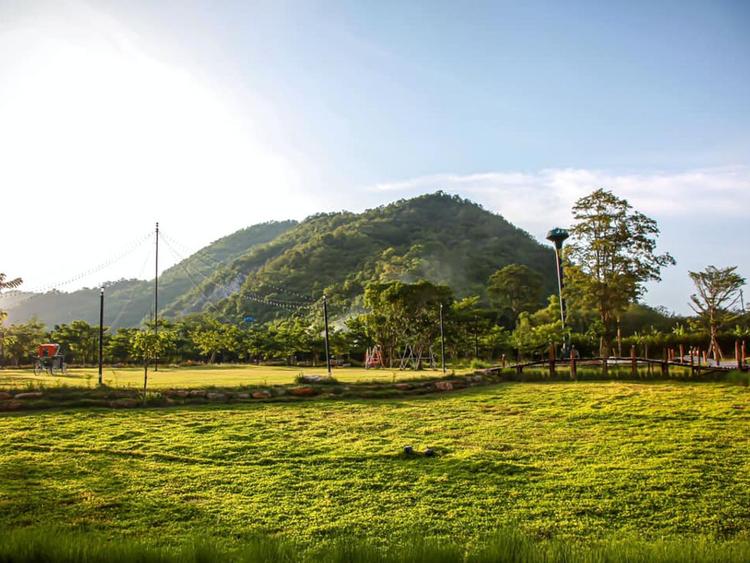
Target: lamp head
x=557, y=236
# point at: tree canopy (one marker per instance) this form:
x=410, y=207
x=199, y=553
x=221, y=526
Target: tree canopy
x=612, y=254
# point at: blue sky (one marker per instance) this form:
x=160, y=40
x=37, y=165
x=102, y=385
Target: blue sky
x=224, y=114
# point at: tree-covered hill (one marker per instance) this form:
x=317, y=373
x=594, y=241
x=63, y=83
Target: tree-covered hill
x=128, y=302
x=270, y=270
x=438, y=237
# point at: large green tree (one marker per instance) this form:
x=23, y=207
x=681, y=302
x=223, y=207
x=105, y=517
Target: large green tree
x=405, y=314
x=79, y=339
x=612, y=254
x=718, y=293
x=515, y=288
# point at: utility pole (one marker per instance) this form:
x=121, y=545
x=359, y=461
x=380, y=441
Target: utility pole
x=442, y=340
x=325, y=321
x=156, y=297
x=101, y=331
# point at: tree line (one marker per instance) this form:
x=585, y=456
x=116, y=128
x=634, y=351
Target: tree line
x=611, y=256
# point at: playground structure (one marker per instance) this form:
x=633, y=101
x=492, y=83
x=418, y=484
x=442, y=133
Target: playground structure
x=50, y=360
x=416, y=357
x=374, y=357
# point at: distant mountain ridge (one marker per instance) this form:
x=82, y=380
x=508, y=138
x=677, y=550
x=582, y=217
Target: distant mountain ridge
x=130, y=301
x=275, y=269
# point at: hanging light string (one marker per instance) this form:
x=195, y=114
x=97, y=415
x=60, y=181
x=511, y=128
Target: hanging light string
x=307, y=302
x=253, y=296
x=131, y=294
x=132, y=247
x=180, y=261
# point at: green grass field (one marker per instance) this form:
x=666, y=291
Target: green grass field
x=198, y=376
x=573, y=461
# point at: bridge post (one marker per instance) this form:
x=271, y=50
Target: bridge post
x=573, y=369
x=552, y=360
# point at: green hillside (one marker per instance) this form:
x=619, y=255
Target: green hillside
x=130, y=301
x=270, y=269
x=439, y=237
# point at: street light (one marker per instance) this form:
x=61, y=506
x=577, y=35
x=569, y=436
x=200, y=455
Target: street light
x=558, y=236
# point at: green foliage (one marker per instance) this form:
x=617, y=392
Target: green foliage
x=403, y=313
x=212, y=337
x=146, y=345
x=436, y=237
x=79, y=341
x=515, y=288
x=529, y=338
x=20, y=341
x=611, y=255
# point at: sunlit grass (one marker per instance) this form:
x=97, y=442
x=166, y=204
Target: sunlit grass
x=570, y=461
x=199, y=376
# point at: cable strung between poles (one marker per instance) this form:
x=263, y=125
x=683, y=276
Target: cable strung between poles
x=197, y=255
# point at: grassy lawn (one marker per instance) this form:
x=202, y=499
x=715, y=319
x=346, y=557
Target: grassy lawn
x=565, y=460
x=198, y=376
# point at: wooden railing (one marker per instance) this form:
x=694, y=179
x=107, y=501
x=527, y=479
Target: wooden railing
x=696, y=361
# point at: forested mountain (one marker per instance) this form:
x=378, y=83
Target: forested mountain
x=439, y=237
x=128, y=302
x=273, y=269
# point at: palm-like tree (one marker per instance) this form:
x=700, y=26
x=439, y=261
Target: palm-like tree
x=9, y=284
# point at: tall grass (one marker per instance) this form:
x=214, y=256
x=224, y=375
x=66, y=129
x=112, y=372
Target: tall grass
x=505, y=546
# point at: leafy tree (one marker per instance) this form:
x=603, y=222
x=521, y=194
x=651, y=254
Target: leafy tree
x=6, y=283
x=147, y=345
x=118, y=347
x=79, y=338
x=495, y=340
x=214, y=337
x=611, y=256
x=22, y=340
x=515, y=288
x=529, y=338
x=402, y=313
x=465, y=324
x=718, y=293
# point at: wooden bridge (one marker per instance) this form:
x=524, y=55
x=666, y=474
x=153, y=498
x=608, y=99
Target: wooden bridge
x=697, y=362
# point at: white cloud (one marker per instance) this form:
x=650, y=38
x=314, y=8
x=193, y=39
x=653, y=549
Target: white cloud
x=702, y=213
x=540, y=200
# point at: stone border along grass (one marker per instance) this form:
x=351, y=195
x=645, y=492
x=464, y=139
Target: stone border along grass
x=110, y=397
x=315, y=387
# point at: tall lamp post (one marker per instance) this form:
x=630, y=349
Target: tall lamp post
x=558, y=236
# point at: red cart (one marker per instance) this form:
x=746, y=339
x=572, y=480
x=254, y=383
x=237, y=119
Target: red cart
x=50, y=360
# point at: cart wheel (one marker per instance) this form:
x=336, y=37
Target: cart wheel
x=38, y=368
